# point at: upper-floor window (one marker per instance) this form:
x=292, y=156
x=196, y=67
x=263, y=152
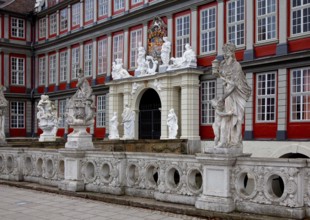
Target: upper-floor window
x=17, y=114
x=42, y=28
x=63, y=19
x=266, y=24
x=63, y=66
x=135, y=38
x=235, y=22
x=133, y=2
x=101, y=111
x=102, y=56
x=42, y=71
x=52, y=69
x=266, y=97
x=208, y=92
x=300, y=94
x=75, y=62
x=17, y=27
x=103, y=7
x=300, y=17
x=53, y=24
x=89, y=10
x=52, y=3
x=118, y=46
x=118, y=5
x=18, y=71
x=76, y=11
x=208, y=30
x=182, y=34
x=62, y=113
x=88, y=59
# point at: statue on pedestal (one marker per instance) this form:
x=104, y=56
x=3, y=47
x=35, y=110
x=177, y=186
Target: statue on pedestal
x=118, y=72
x=146, y=65
x=48, y=121
x=188, y=59
x=229, y=117
x=114, y=127
x=165, y=51
x=172, y=122
x=129, y=123
x=3, y=108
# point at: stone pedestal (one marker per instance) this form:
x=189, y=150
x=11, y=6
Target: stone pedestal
x=47, y=137
x=79, y=138
x=73, y=178
x=162, y=69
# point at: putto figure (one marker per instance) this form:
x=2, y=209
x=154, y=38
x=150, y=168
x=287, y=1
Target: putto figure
x=118, y=72
x=48, y=121
x=172, y=122
x=187, y=60
x=236, y=93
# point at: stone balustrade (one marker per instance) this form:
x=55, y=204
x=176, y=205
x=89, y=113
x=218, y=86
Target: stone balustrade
x=279, y=187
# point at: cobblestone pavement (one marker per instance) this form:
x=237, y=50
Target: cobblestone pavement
x=24, y=204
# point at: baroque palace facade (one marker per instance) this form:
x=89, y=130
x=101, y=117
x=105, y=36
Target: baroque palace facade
x=42, y=49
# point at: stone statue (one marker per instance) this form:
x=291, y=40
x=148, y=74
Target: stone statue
x=172, y=122
x=188, y=59
x=114, y=127
x=128, y=122
x=80, y=114
x=146, y=65
x=3, y=108
x=165, y=51
x=48, y=120
x=118, y=72
x=135, y=87
x=236, y=93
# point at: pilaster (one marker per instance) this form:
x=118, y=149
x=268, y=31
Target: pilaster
x=69, y=18
x=248, y=134
x=58, y=23
x=282, y=104
x=6, y=26
x=282, y=47
x=126, y=4
x=69, y=67
x=170, y=28
x=249, y=11
x=94, y=59
x=109, y=8
x=82, y=13
x=82, y=55
x=125, y=55
x=95, y=10
x=194, y=30
x=57, y=68
x=109, y=57
x=145, y=27
x=46, y=71
x=220, y=26
x=46, y=27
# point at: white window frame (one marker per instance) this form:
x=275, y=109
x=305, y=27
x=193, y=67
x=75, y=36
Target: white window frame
x=88, y=59
x=42, y=28
x=53, y=24
x=266, y=16
x=207, y=112
x=118, y=45
x=63, y=67
x=103, y=7
x=42, y=71
x=18, y=71
x=134, y=2
x=135, y=38
x=63, y=19
x=75, y=61
x=52, y=69
x=208, y=31
x=265, y=97
x=300, y=8
x=18, y=114
x=182, y=33
x=89, y=10
x=101, y=111
x=76, y=11
x=302, y=93
x=62, y=113
x=17, y=27
x=119, y=5
x=236, y=21
x=102, y=56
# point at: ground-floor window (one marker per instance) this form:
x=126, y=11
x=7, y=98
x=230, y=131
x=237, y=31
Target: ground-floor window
x=62, y=111
x=17, y=114
x=101, y=111
x=208, y=92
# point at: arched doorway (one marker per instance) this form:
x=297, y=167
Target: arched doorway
x=149, y=115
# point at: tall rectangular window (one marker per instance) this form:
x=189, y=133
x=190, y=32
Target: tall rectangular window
x=64, y=19
x=75, y=62
x=119, y=4
x=208, y=92
x=208, y=30
x=52, y=69
x=42, y=71
x=62, y=113
x=182, y=34
x=266, y=97
x=103, y=7
x=266, y=24
x=300, y=94
x=76, y=11
x=42, y=28
x=102, y=56
x=235, y=22
x=17, y=114
x=135, y=38
x=89, y=10
x=17, y=71
x=53, y=24
x=118, y=46
x=101, y=111
x=17, y=27
x=88, y=59
x=300, y=14
x=63, y=66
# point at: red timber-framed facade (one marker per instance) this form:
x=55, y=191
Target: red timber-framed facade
x=272, y=39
